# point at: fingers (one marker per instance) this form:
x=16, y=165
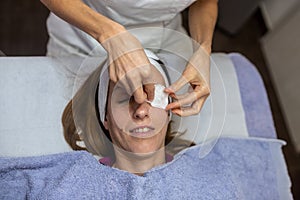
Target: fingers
x=132, y=90
x=177, y=85
x=134, y=81
x=190, y=103
x=139, y=95
x=135, y=84
x=149, y=89
x=192, y=110
x=129, y=65
x=187, y=99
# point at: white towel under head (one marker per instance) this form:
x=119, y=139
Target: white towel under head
x=160, y=97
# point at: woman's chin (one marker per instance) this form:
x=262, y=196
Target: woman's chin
x=145, y=150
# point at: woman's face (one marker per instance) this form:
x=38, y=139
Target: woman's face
x=133, y=127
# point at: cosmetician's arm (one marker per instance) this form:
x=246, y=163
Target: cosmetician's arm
x=202, y=19
x=125, y=52
x=83, y=17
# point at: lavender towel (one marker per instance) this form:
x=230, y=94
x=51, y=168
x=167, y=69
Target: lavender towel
x=254, y=98
x=234, y=169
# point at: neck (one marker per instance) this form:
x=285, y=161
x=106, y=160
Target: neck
x=138, y=163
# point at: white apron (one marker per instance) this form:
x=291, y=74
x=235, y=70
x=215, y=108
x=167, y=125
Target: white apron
x=65, y=39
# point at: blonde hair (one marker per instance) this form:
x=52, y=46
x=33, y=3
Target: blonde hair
x=81, y=122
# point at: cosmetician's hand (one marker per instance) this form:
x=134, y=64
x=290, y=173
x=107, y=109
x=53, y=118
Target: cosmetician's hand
x=129, y=65
x=197, y=74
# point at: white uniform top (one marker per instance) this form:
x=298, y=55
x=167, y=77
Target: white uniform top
x=65, y=39
x=157, y=25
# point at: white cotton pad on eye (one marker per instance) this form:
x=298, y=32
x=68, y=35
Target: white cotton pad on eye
x=160, y=97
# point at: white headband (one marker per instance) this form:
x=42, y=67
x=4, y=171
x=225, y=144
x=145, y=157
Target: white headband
x=160, y=98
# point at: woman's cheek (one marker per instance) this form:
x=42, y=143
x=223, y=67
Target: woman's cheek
x=159, y=118
x=121, y=116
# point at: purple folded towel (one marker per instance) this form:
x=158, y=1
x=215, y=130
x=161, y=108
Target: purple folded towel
x=254, y=98
x=234, y=169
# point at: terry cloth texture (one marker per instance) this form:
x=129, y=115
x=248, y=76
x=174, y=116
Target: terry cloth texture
x=234, y=169
x=254, y=98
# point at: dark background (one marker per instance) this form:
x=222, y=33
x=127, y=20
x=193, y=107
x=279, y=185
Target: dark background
x=23, y=33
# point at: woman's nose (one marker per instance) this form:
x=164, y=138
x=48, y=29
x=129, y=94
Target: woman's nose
x=141, y=111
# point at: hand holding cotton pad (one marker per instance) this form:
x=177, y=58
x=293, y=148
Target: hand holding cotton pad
x=160, y=99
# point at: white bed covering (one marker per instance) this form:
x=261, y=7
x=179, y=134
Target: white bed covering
x=35, y=90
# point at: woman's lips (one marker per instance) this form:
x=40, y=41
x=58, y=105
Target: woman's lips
x=142, y=131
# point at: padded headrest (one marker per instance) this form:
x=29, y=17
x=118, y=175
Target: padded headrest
x=35, y=90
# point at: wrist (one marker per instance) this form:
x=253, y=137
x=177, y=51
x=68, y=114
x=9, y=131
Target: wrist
x=109, y=30
x=206, y=47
